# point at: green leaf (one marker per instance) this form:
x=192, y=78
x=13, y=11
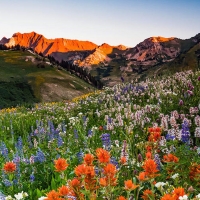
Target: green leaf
x=53, y=183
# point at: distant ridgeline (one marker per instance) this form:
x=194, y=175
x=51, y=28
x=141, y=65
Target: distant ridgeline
x=16, y=92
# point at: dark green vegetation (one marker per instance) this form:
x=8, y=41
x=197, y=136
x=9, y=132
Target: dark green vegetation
x=16, y=93
x=29, y=78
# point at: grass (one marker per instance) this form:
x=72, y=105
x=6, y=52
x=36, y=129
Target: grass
x=137, y=137
x=17, y=65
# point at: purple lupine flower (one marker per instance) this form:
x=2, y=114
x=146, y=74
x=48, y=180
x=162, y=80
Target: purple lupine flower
x=16, y=158
x=15, y=182
x=2, y=196
x=170, y=136
x=59, y=141
x=90, y=133
x=40, y=157
x=18, y=173
x=122, y=79
x=109, y=120
x=75, y=134
x=180, y=102
x=63, y=127
x=199, y=78
x=139, y=157
x=97, y=170
x=19, y=145
x=105, y=138
x=4, y=150
x=80, y=156
x=32, y=178
x=7, y=183
x=185, y=133
x=157, y=161
x=114, y=162
x=84, y=118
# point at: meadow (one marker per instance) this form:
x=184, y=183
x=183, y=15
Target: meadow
x=133, y=141
x=29, y=78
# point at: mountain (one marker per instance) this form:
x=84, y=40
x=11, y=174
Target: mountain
x=109, y=63
x=102, y=54
x=4, y=40
x=47, y=46
x=75, y=51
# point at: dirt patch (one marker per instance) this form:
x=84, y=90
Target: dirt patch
x=55, y=92
x=30, y=58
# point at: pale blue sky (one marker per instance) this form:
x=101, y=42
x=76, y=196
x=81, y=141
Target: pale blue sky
x=115, y=22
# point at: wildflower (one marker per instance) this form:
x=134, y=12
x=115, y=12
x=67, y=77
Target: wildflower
x=80, y=156
x=170, y=158
x=142, y=176
x=21, y=195
x=157, y=161
x=103, y=182
x=53, y=195
x=114, y=162
x=198, y=196
x=32, y=177
x=103, y=155
x=7, y=183
x=180, y=102
x=160, y=184
x=184, y=197
x=75, y=183
x=110, y=170
x=60, y=164
x=185, y=133
x=6, y=198
x=148, y=155
x=80, y=170
x=139, y=157
x=59, y=141
x=129, y=185
x=147, y=195
x=3, y=150
x=194, y=172
x=150, y=168
x=42, y=198
x=88, y=159
x=121, y=198
x=178, y=192
x=40, y=157
x=167, y=197
x=123, y=160
x=63, y=190
x=19, y=144
x=175, y=176
x=9, y=167
x=106, y=141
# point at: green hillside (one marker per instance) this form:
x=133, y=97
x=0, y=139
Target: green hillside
x=28, y=78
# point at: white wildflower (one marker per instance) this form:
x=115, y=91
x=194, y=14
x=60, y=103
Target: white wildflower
x=184, y=197
x=8, y=198
x=175, y=176
x=42, y=198
x=160, y=184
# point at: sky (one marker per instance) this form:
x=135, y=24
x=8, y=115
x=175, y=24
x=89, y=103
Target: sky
x=115, y=22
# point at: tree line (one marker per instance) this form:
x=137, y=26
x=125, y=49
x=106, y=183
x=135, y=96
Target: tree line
x=80, y=72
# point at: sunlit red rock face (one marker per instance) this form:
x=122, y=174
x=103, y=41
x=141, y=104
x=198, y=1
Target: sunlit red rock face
x=154, y=50
x=47, y=46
